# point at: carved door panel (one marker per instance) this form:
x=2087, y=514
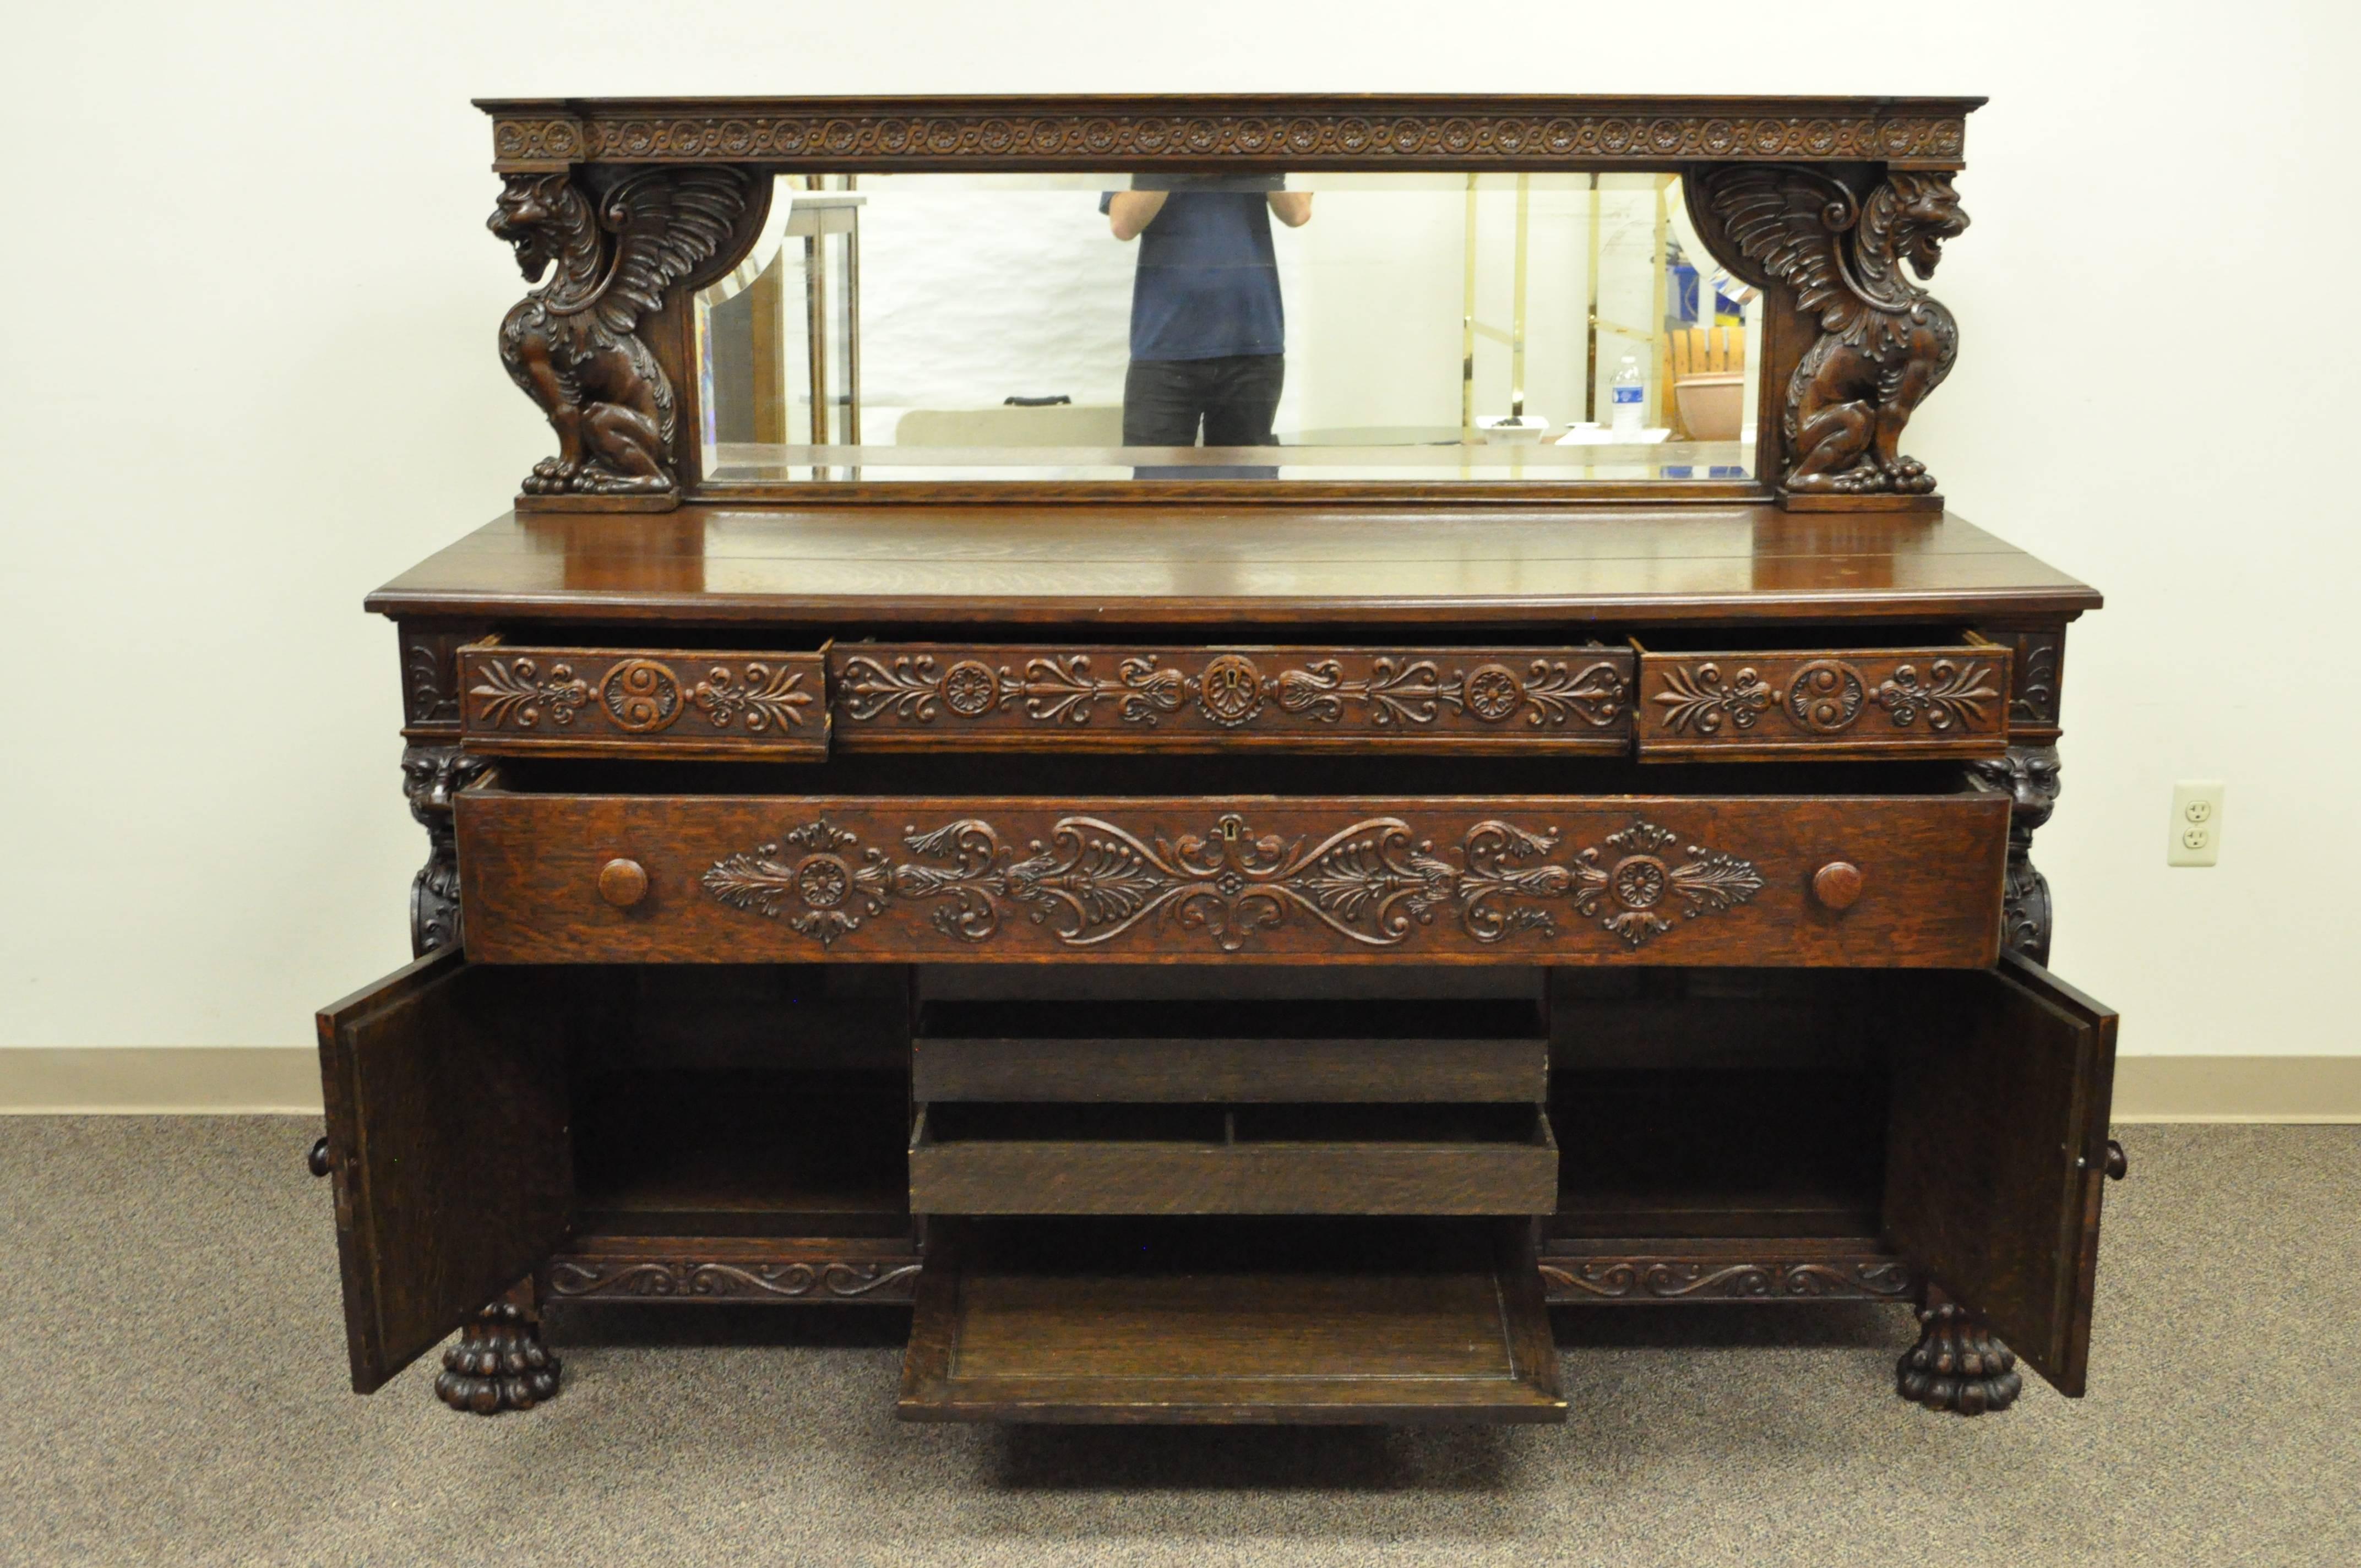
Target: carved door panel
x=447, y=1145
x=2001, y=1081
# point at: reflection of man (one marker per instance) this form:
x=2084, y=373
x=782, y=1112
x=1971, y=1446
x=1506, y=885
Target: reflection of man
x=1208, y=335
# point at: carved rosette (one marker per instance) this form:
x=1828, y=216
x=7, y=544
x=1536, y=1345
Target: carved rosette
x=1957, y=1365
x=1232, y=691
x=711, y=1280
x=1373, y=882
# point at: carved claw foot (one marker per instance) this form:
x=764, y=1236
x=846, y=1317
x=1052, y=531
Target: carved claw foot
x=1957, y=1364
x=549, y=478
x=1908, y=476
x=499, y=1363
x=1869, y=480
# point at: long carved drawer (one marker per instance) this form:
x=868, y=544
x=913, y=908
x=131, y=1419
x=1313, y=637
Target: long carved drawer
x=1833, y=703
x=985, y=696
x=1834, y=880
x=628, y=702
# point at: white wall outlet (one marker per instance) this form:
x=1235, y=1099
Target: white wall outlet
x=2195, y=838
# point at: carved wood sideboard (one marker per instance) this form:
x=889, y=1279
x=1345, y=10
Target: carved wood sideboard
x=1233, y=949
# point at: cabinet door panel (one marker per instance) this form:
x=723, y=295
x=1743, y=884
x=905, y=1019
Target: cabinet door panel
x=447, y=1111
x=1998, y=1152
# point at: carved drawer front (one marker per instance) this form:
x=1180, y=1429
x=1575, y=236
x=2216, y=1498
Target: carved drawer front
x=1754, y=880
x=968, y=1158
x=937, y=696
x=629, y=702
x=1837, y=704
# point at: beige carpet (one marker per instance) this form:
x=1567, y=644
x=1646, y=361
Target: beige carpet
x=175, y=1394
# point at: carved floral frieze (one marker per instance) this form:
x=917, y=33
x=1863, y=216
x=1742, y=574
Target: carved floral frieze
x=1937, y=694
x=587, y=696
x=853, y=138
x=1401, y=693
x=1373, y=882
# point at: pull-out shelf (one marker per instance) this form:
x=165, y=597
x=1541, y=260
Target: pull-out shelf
x=969, y=1159
x=1231, y=1322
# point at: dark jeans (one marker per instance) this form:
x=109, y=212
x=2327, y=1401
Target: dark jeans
x=1236, y=396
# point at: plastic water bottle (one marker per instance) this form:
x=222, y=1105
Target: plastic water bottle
x=1630, y=392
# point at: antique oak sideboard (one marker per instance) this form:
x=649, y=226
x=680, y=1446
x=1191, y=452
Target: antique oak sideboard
x=1232, y=942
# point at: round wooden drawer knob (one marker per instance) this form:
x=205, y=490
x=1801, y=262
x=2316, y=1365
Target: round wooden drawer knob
x=622, y=883
x=1837, y=884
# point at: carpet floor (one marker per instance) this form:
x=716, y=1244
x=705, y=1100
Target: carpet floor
x=174, y=1393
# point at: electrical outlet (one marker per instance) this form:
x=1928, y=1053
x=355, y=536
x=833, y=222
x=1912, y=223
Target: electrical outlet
x=2195, y=832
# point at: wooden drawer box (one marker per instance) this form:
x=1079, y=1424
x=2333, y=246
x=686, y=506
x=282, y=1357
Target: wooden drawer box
x=1237, y=1321
x=1164, y=1052
x=626, y=702
x=938, y=697
x=1244, y=1159
x=1862, y=880
x=1831, y=704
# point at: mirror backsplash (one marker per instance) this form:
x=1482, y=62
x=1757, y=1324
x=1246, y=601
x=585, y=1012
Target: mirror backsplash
x=1556, y=327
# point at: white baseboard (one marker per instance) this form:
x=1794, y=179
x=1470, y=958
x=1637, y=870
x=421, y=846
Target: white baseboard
x=236, y=1080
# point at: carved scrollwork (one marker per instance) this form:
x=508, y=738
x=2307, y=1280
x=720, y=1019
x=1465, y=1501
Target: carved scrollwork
x=1703, y=699
x=1373, y=882
x=1952, y=694
x=617, y=249
x=1885, y=342
x=761, y=698
x=1231, y=691
x=1568, y=1279
x=689, y=1279
x=517, y=693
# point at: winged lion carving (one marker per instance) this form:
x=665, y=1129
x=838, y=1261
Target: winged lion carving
x=1884, y=342
x=573, y=344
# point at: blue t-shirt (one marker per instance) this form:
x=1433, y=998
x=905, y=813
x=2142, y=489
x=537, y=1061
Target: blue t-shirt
x=1207, y=284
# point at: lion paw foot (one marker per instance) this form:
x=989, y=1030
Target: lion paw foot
x=549, y=477
x=1957, y=1365
x=1909, y=477
x=499, y=1363
x=1865, y=480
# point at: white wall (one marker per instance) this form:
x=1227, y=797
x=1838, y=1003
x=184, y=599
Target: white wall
x=249, y=374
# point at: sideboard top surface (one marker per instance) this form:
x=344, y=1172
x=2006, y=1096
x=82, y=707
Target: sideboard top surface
x=1234, y=565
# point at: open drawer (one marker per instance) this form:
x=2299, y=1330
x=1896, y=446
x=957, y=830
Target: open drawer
x=1399, y=1049
x=1741, y=705
x=1026, y=1159
x=553, y=872
x=715, y=705
x=997, y=697
x=1231, y=1322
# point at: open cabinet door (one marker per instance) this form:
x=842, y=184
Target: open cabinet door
x=447, y=1143
x=2002, y=1079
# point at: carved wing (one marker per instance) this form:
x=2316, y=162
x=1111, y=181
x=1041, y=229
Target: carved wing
x=1786, y=221
x=669, y=225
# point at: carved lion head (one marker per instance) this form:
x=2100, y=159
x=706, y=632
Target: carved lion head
x=1926, y=213
x=531, y=217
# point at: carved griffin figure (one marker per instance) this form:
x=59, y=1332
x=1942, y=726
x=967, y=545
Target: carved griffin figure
x=573, y=344
x=1884, y=342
